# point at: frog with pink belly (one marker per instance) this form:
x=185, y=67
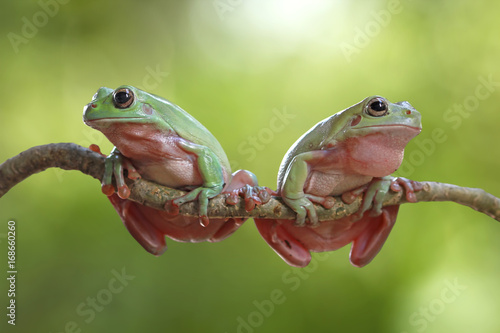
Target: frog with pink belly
x=350, y=153
x=157, y=140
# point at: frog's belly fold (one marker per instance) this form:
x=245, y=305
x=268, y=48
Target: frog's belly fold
x=174, y=173
x=324, y=184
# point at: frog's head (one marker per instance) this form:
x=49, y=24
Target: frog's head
x=376, y=127
x=126, y=104
x=377, y=114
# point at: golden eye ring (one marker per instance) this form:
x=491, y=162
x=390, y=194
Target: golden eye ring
x=123, y=98
x=377, y=107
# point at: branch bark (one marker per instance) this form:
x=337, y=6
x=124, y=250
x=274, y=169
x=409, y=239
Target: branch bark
x=70, y=156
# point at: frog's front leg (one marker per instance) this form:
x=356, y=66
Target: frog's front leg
x=211, y=173
x=294, y=180
x=114, y=164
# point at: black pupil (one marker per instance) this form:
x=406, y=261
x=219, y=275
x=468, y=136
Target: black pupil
x=122, y=97
x=378, y=106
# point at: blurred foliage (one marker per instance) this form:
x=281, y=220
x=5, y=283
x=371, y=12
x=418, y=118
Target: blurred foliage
x=258, y=74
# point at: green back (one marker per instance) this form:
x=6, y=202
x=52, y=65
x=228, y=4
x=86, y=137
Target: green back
x=187, y=127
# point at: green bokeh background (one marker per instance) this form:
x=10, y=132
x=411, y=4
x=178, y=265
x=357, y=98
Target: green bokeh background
x=236, y=66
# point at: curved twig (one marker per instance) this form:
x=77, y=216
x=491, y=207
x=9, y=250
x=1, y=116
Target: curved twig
x=70, y=156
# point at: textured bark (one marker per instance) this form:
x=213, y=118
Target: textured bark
x=69, y=156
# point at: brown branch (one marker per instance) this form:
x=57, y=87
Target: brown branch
x=70, y=156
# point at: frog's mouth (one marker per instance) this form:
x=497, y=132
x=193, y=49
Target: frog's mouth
x=116, y=119
x=101, y=123
x=394, y=131
x=414, y=128
x=93, y=116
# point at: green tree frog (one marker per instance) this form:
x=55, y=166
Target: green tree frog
x=350, y=153
x=161, y=142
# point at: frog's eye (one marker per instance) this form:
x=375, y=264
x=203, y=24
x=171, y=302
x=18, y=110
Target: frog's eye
x=123, y=98
x=377, y=107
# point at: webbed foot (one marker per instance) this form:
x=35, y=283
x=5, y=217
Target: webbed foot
x=114, y=164
x=253, y=195
x=304, y=208
x=202, y=194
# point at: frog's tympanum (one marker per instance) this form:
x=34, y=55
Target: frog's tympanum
x=157, y=140
x=350, y=153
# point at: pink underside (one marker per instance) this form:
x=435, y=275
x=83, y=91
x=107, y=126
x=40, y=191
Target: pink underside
x=378, y=154
x=156, y=154
x=354, y=162
x=294, y=244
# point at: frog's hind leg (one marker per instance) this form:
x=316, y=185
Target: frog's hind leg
x=244, y=184
x=291, y=250
x=371, y=238
x=136, y=219
x=240, y=180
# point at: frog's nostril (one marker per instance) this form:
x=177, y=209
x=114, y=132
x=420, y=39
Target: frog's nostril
x=93, y=105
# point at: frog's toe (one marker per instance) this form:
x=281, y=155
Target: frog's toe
x=395, y=186
x=204, y=221
x=171, y=208
x=410, y=187
x=123, y=192
x=232, y=198
x=250, y=197
x=107, y=178
x=376, y=210
x=107, y=186
x=107, y=189
x=349, y=196
x=191, y=196
x=312, y=215
x=132, y=172
x=249, y=204
x=300, y=221
x=203, y=206
x=95, y=148
x=264, y=194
